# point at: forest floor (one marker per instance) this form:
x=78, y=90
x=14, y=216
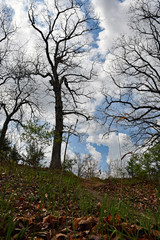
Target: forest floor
x=40, y=204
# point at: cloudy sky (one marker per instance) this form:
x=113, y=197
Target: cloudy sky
x=105, y=148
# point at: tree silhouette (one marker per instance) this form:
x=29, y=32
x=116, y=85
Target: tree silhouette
x=63, y=31
x=135, y=72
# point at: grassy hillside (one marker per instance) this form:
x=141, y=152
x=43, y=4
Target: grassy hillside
x=43, y=204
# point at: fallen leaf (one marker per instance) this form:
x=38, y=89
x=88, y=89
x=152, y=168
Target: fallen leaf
x=61, y=236
x=155, y=233
x=48, y=219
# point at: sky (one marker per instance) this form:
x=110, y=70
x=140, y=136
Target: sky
x=106, y=148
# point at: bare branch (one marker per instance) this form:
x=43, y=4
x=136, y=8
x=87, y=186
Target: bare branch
x=136, y=74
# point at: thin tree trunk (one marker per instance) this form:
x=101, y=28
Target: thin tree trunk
x=57, y=143
x=65, y=151
x=68, y=136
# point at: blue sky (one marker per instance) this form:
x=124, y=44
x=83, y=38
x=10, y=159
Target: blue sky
x=105, y=15
x=80, y=147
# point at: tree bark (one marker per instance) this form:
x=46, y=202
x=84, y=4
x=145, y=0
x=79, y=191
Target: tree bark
x=3, y=132
x=57, y=142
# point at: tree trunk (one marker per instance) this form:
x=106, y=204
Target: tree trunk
x=3, y=132
x=56, y=150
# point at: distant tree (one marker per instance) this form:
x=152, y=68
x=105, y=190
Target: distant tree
x=135, y=72
x=85, y=166
x=146, y=164
x=68, y=164
x=134, y=167
x=63, y=30
x=79, y=165
x=117, y=168
x=17, y=95
x=34, y=155
x=70, y=131
x=155, y=156
x=91, y=167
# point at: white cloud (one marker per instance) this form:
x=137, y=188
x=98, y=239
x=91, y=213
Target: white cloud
x=95, y=132
x=113, y=19
x=119, y=144
x=96, y=155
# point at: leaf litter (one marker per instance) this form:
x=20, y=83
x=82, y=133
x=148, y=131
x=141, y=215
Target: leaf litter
x=27, y=210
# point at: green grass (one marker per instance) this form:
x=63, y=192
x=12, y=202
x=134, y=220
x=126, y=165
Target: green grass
x=37, y=193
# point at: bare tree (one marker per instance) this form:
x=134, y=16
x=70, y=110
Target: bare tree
x=71, y=131
x=16, y=84
x=136, y=73
x=17, y=95
x=63, y=30
x=85, y=166
x=7, y=30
